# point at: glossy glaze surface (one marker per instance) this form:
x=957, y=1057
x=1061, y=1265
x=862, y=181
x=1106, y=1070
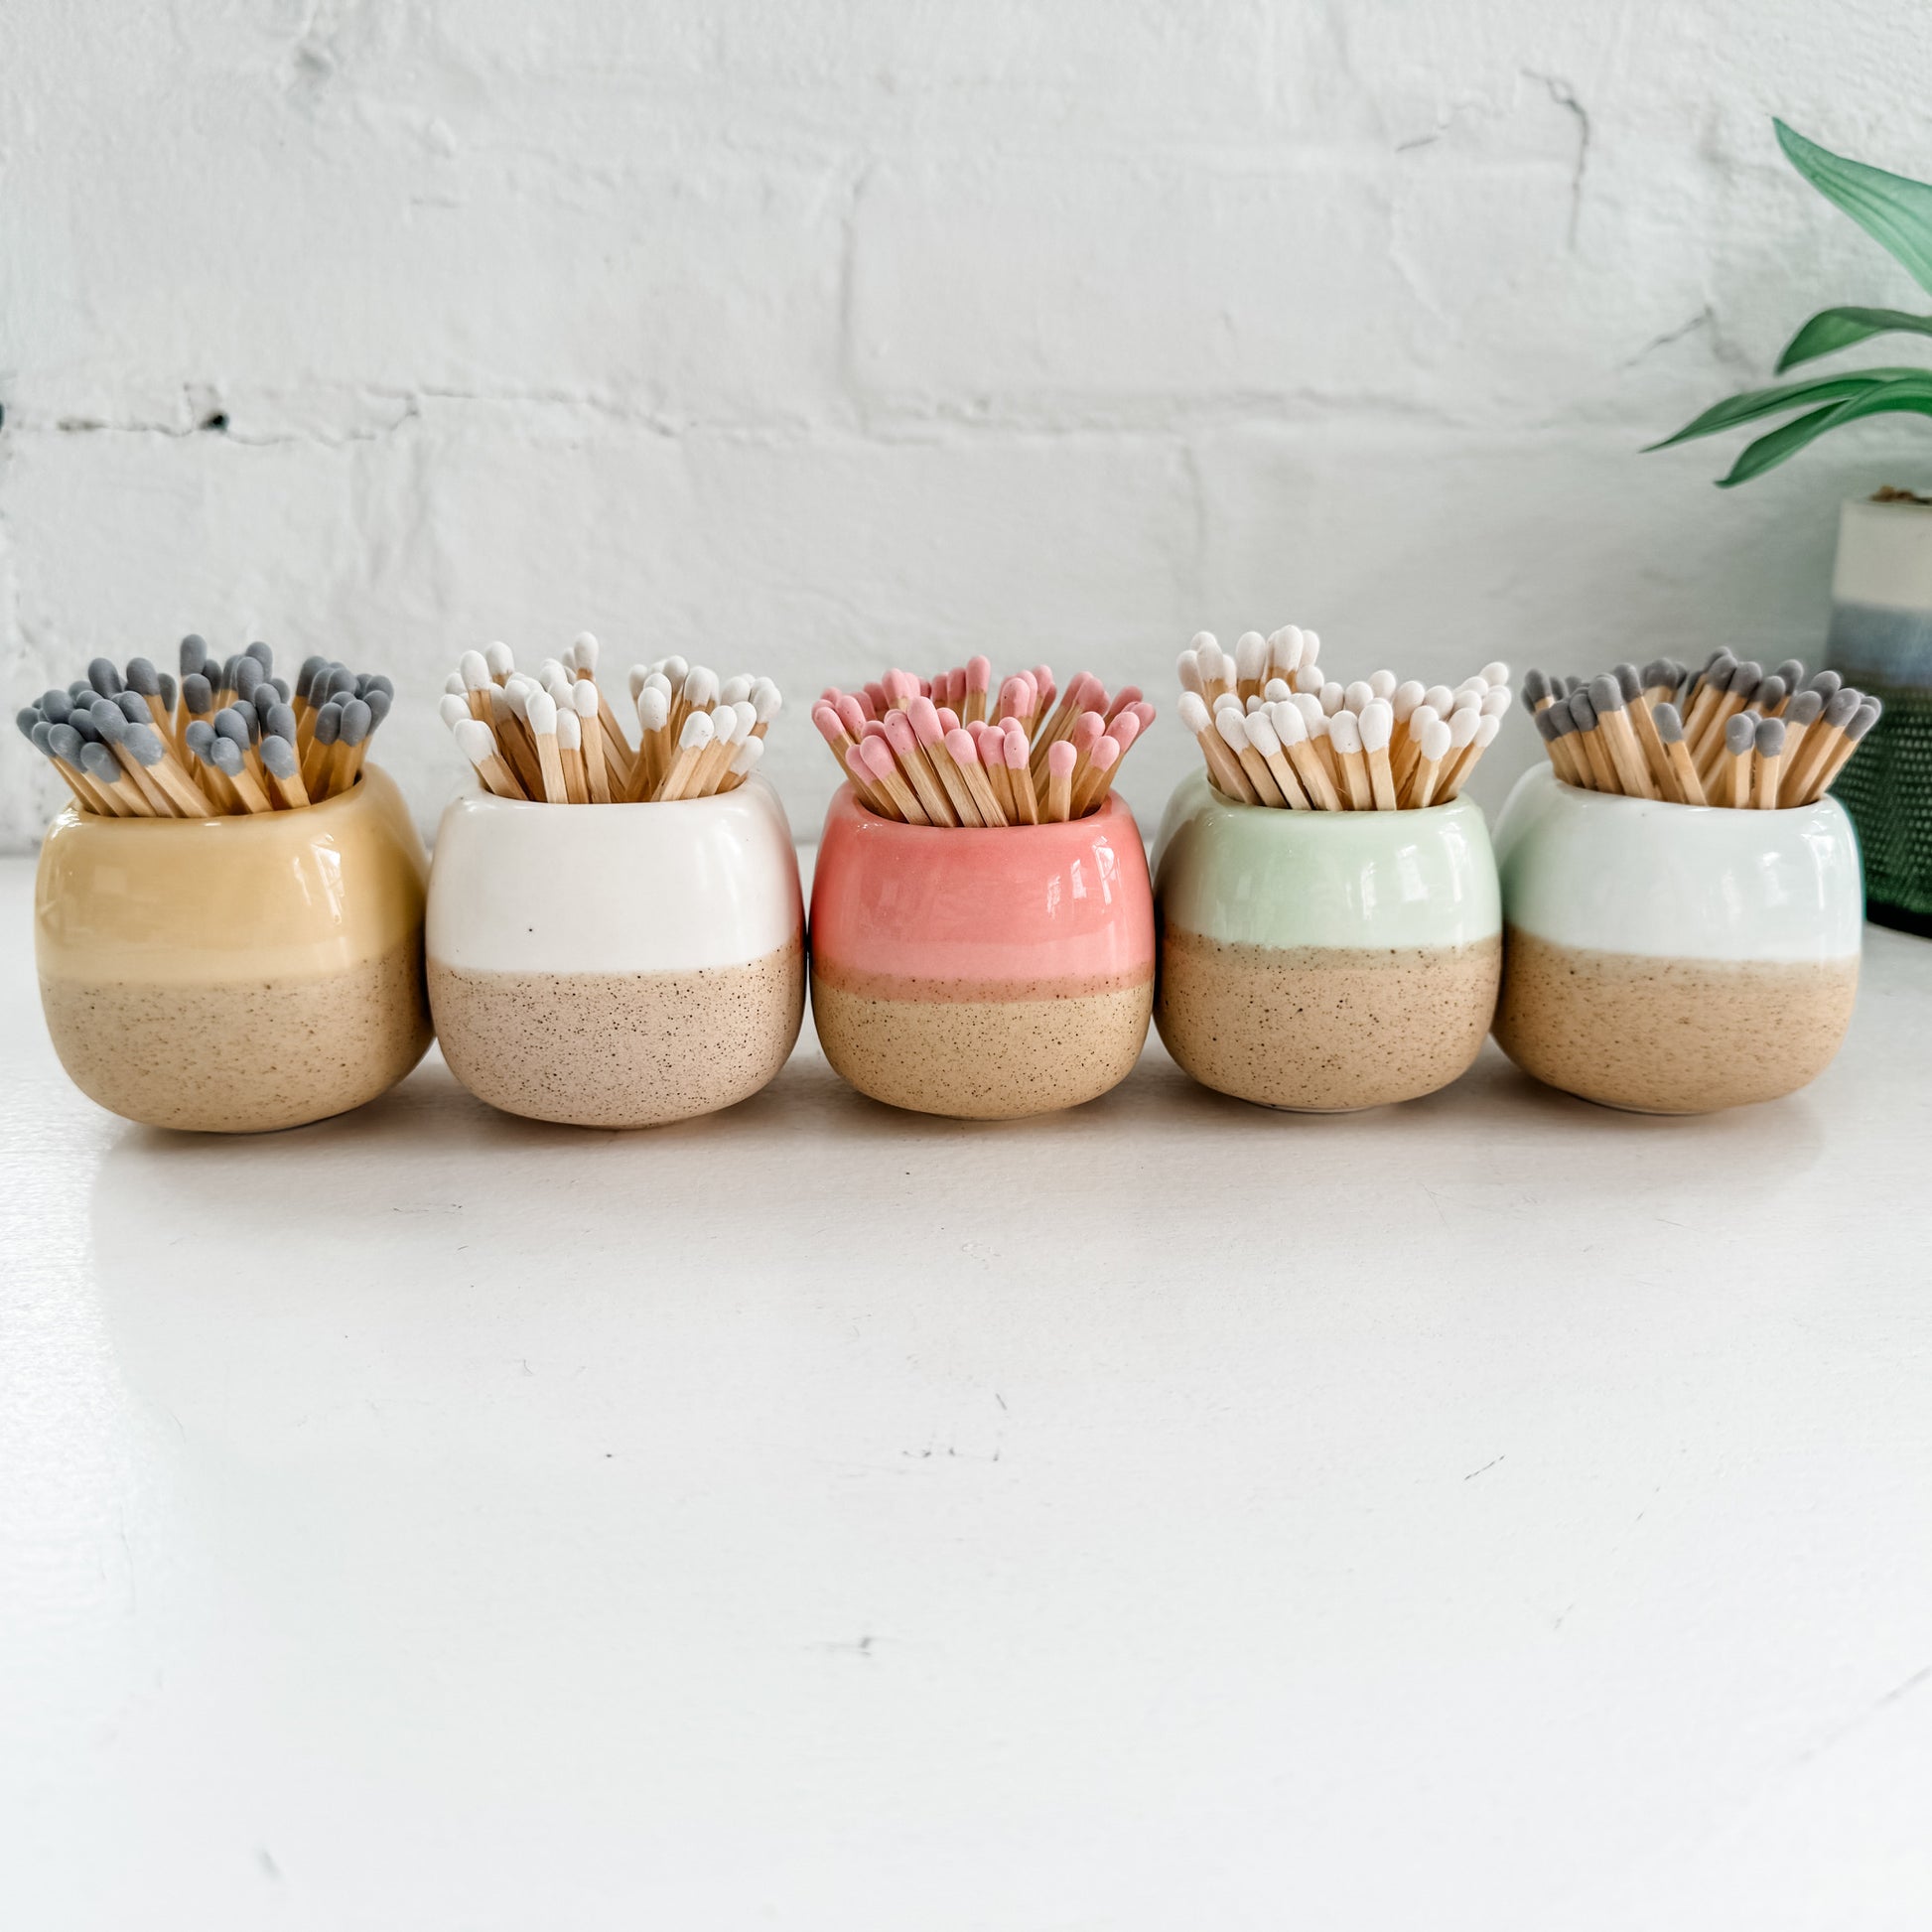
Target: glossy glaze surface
x=1629, y=876
x=523, y=888
x=1249, y=876
x=1022, y=904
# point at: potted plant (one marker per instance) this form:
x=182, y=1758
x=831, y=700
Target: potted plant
x=1881, y=590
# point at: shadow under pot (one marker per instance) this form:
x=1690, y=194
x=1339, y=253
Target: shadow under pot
x=1325, y=962
x=1675, y=959
x=617, y=965
x=984, y=974
x=235, y=974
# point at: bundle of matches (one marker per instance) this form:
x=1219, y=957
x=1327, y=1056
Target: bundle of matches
x=1727, y=735
x=223, y=738
x=554, y=738
x=1275, y=730
x=948, y=751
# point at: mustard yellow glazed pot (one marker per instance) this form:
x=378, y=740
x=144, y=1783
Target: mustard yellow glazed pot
x=232, y=975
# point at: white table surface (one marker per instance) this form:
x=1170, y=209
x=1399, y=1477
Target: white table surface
x=1490, y=1513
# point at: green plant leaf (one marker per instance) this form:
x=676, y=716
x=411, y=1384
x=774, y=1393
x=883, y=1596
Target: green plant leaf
x=1754, y=403
x=1894, y=212
x=1834, y=329
x=1911, y=392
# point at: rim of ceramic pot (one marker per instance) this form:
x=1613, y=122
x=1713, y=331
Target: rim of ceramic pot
x=233, y=825
x=1612, y=801
x=478, y=794
x=1408, y=815
x=1114, y=809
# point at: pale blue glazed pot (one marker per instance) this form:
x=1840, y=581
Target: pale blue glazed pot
x=1323, y=961
x=1668, y=958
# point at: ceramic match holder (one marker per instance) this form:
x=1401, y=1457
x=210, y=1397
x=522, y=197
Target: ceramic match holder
x=238, y=973
x=619, y=965
x=1675, y=959
x=982, y=973
x=1324, y=961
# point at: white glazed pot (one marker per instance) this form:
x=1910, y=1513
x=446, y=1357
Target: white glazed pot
x=617, y=965
x=1324, y=961
x=1674, y=959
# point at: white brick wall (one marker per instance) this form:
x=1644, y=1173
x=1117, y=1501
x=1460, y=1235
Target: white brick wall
x=808, y=336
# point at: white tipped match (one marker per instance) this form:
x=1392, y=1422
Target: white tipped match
x=1227, y=701
x=453, y=710
x=1496, y=673
x=1333, y=697
x=634, y=678
x=1249, y=655
x=1308, y=679
x=1495, y=701
x=1285, y=648
x=1345, y=729
x=1421, y=719
x=518, y=690
x=474, y=669
x=1262, y=734
x=453, y=685
x=1194, y=712
x=1232, y=725
x=675, y=669
x=1290, y=726
x=769, y=700
x=540, y=707
x=654, y=710
x=1377, y=725
x=734, y=689
x=1310, y=706
x=1203, y=640
x=1433, y=742
x=1439, y=699
x=1487, y=730
x=583, y=698
x=698, y=732
x=475, y=741
x=1311, y=647
x=1186, y=668
x=1357, y=695
x=569, y=730
x=587, y=648
x=700, y=686
x=657, y=681
x=1276, y=689
x=748, y=717
x=1463, y=725
x=747, y=756
x=1404, y=700
x=501, y=664
x=1476, y=682
x=1382, y=683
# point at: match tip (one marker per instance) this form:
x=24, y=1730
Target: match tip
x=1194, y=712
x=1740, y=734
x=1770, y=738
x=1606, y=694
x=474, y=669
x=1377, y=725
x=1345, y=729
x=960, y=747
x=698, y=730
x=1435, y=741
x=1670, y=725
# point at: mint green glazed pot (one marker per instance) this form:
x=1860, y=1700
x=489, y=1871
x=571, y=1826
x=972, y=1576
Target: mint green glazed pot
x=1323, y=961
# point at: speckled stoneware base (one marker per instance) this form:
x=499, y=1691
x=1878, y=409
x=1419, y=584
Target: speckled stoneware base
x=620, y=1050
x=975, y=1050
x=247, y=1057
x=1658, y=1036
x=1325, y=1029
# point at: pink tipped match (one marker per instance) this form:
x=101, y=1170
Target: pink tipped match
x=898, y=733
x=855, y=762
x=827, y=720
x=852, y=715
x=1125, y=699
x=1106, y=755
x=877, y=756
x=979, y=673
x=925, y=721
x=1015, y=737
x=830, y=695
x=866, y=706
x=901, y=687
x=993, y=744
x=1125, y=729
x=1046, y=690
x=960, y=745
x=876, y=697
x=1061, y=759
x=1086, y=692
x=1145, y=713
x=948, y=720
x=1012, y=698
x=872, y=729
x=1086, y=731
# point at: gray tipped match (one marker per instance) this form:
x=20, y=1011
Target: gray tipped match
x=1769, y=737
x=1792, y=671
x=80, y=690
x=1547, y=726
x=378, y=701
x=1628, y=682
x=342, y=682
x=199, y=737
x=247, y=674
x=1606, y=694
x=225, y=756
x=1771, y=693
x=194, y=654
x=102, y=675
x=1842, y=708
x=1566, y=717
x=355, y=721
x=262, y=655
x=26, y=718
x=1747, y=676
x=197, y=694
x=233, y=726
x=169, y=690
x=82, y=720
x=1582, y=708
x=1660, y=670
x=1670, y=725
x=329, y=722
x=1536, y=687
x=377, y=682
x=145, y=743
x=99, y=762
x=65, y=743
x=279, y=756
x=264, y=699
x=143, y=678
x=40, y=736
x=1740, y=734
x=311, y=666
x=280, y=686
x=1804, y=709
x=280, y=722
x=1828, y=684
x=132, y=708
x=55, y=706
x=108, y=721
x=1864, y=719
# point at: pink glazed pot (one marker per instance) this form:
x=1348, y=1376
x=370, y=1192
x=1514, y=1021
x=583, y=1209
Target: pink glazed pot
x=984, y=975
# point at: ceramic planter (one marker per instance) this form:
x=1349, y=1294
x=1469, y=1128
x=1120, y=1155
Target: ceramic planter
x=235, y=974
x=1674, y=959
x=981, y=974
x=1882, y=641
x=1324, y=961
x=617, y=965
